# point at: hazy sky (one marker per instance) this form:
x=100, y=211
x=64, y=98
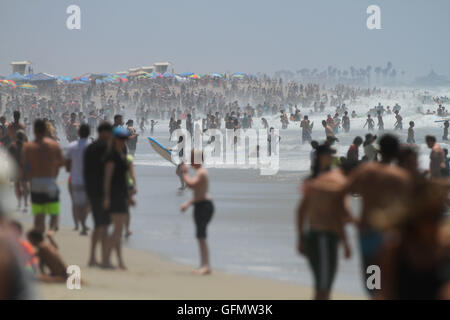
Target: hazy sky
x=219, y=36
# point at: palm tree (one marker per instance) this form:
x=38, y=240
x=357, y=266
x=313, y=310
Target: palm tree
x=378, y=72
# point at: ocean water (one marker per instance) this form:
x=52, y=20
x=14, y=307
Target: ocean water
x=253, y=230
x=294, y=156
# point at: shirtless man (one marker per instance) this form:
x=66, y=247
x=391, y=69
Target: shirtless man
x=72, y=128
x=47, y=253
x=437, y=157
x=329, y=131
x=326, y=215
x=15, y=126
x=41, y=160
x=346, y=122
x=307, y=127
x=203, y=206
x=384, y=188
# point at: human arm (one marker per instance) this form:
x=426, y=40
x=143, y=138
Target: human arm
x=109, y=169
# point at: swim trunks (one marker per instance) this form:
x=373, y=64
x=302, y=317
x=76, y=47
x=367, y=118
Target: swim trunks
x=79, y=197
x=203, y=212
x=321, y=250
x=370, y=242
x=44, y=196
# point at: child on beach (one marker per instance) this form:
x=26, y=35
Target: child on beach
x=203, y=206
x=47, y=253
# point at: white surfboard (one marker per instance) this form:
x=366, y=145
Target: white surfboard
x=161, y=150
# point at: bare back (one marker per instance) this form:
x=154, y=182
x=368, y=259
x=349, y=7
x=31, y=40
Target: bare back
x=42, y=158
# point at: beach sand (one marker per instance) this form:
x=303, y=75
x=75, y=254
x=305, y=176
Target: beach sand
x=150, y=276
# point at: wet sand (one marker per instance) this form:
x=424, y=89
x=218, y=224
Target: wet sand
x=150, y=276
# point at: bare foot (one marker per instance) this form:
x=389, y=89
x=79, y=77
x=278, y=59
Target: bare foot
x=107, y=266
x=202, y=271
x=93, y=263
x=122, y=266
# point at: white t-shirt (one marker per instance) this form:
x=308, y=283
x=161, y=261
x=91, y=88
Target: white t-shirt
x=75, y=153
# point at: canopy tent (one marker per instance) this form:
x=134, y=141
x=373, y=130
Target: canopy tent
x=100, y=76
x=137, y=73
x=64, y=79
x=40, y=77
x=186, y=74
x=78, y=82
x=16, y=77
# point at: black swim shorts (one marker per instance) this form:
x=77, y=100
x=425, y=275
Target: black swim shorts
x=203, y=212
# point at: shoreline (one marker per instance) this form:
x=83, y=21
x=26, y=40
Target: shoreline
x=151, y=276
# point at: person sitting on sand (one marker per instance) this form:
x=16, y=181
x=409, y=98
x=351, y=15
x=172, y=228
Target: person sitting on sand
x=203, y=206
x=47, y=253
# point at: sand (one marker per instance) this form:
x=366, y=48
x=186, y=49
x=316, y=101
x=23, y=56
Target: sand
x=150, y=276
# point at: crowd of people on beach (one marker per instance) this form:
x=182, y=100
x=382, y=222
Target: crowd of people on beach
x=404, y=211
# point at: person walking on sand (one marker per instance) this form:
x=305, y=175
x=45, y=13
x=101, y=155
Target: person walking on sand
x=20, y=185
x=115, y=200
x=203, y=206
x=42, y=159
x=382, y=186
x=15, y=126
x=93, y=172
x=321, y=218
x=74, y=165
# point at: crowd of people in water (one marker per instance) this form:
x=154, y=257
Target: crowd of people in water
x=401, y=228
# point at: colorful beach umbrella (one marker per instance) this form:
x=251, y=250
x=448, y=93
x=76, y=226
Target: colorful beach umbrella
x=28, y=86
x=10, y=83
x=238, y=75
x=194, y=76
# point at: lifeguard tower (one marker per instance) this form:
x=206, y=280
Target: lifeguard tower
x=21, y=67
